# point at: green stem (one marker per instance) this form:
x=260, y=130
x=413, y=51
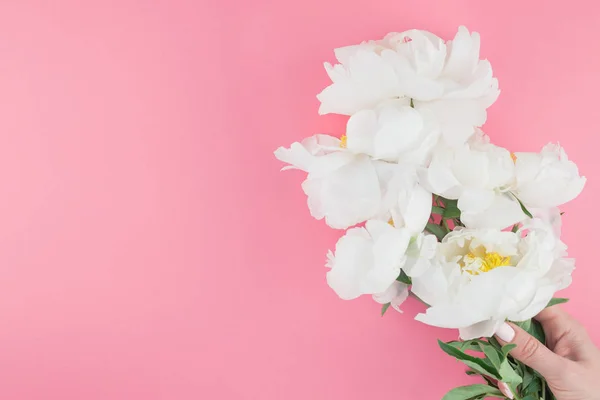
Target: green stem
x=544, y=391
x=446, y=224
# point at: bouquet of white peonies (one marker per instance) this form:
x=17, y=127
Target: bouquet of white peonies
x=431, y=207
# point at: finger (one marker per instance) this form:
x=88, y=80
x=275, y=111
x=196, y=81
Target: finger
x=531, y=352
x=565, y=335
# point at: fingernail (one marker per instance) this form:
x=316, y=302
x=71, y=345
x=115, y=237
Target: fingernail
x=505, y=332
x=505, y=390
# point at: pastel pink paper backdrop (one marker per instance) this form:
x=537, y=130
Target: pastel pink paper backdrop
x=149, y=246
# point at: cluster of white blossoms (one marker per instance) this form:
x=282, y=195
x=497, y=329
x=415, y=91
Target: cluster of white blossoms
x=429, y=204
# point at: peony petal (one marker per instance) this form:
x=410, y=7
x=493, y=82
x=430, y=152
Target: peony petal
x=399, y=130
x=473, y=200
x=504, y=212
x=346, y=196
x=481, y=329
x=366, y=80
x=361, y=130
x=463, y=54
x=542, y=296
x=467, y=307
x=416, y=208
x=396, y=294
x=353, y=256
x=458, y=117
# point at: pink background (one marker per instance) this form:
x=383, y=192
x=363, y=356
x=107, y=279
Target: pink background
x=149, y=247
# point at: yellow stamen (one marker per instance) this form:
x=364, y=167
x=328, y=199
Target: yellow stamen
x=344, y=141
x=514, y=157
x=391, y=222
x=483, y=261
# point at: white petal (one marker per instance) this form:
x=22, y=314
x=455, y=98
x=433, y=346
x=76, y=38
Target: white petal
x=365, y=81
x=474, y=200
x=343, y=54
x=396, y=294
x=346, y=196
x=467, y=308
x=439, y=178
x=458, y=117
x=353, y=257
x=547, y=179
x=504, y=212
x=471, y=167
x=481, y=329
x=542, y=296
x=463, y=54
x=432, y=285
x=399, y=129
x=361, y=130
x=420, y=255
x=415, y=208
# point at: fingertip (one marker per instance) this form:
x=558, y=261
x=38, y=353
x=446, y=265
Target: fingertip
x=505, y=332
x=505, y=390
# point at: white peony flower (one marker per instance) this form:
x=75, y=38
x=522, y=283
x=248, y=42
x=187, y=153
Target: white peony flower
x=447, y=79
x=342, y=187
x=547, y=179
x=368, y=260
x=347, y=188
x=480, y=176
x=484, y=277
x=393, y=132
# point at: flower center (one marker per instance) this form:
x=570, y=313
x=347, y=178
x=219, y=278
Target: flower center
x=344, y=141
x=514, y=157
x=479, y=260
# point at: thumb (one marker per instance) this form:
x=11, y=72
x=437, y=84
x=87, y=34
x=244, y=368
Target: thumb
x=531, y=351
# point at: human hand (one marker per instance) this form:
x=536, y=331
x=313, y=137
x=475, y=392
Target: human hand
x=570, y=362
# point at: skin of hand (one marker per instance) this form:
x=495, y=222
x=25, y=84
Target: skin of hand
x=570, y=362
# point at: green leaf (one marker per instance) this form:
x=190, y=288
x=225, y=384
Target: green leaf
x=450, y=203
x=494, y=342
x=468, y=345
x=492, y=355
x=472, y=392
x=476, y=364
x=437, y=230
x=537, y=331
x=437, y=210
x=501, y=364
x=384, y=308
x=534, y=387
x=404, y=278
x=555, y=301
x=509, y=375
x=534, y=328
x=451, y=212
x=528, y=378
x=523, y=208
x=525, y=325
x=531, y=397
x=507, y=348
